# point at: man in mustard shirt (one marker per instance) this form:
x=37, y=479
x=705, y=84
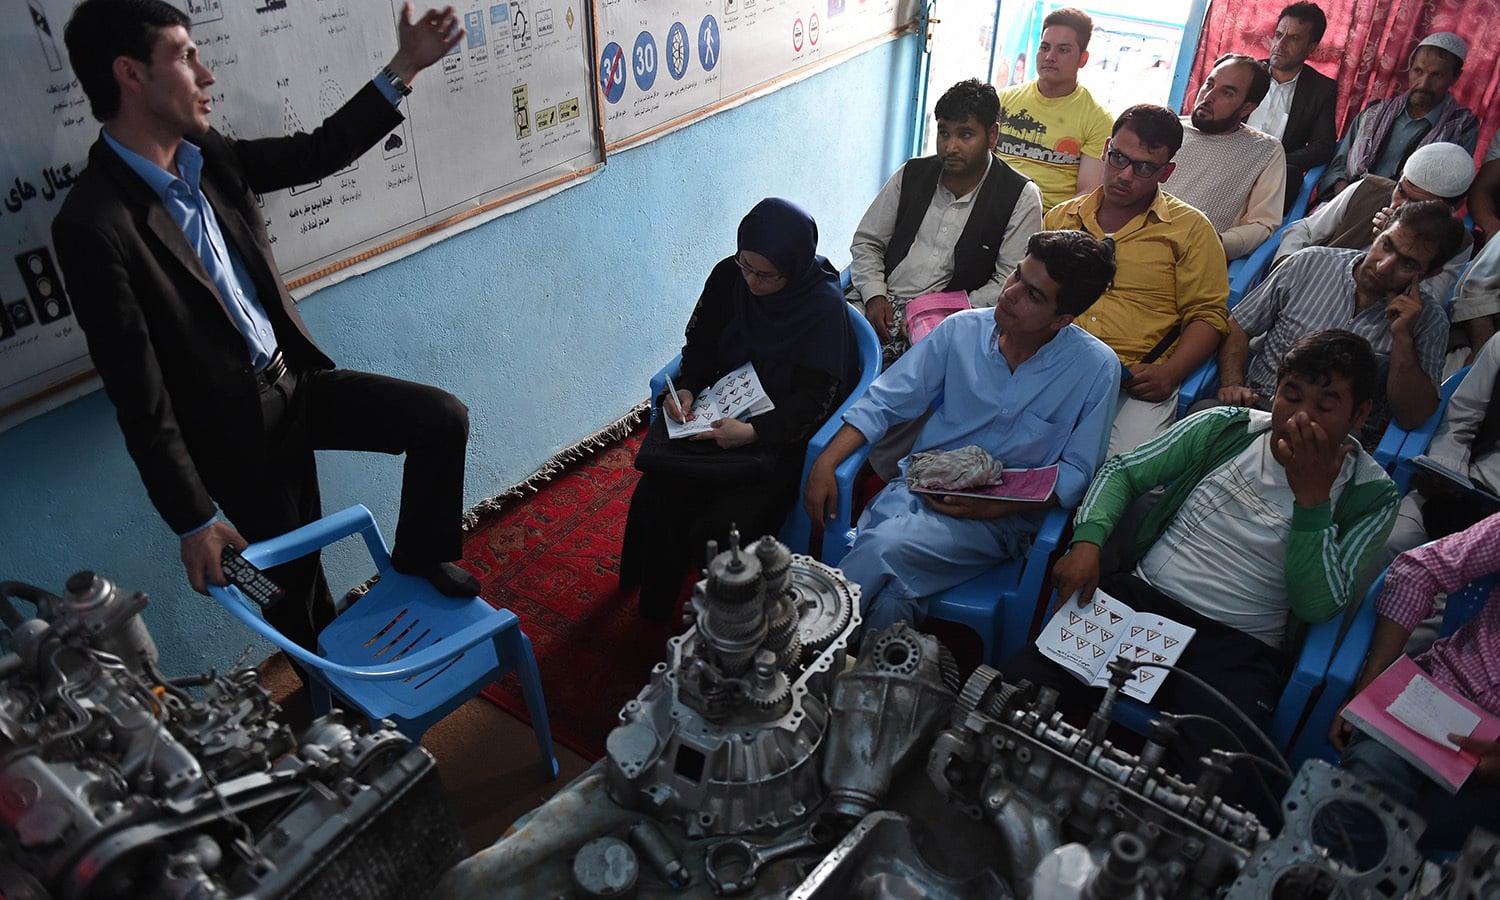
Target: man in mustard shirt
x=1167, y=309
x=1052, y=130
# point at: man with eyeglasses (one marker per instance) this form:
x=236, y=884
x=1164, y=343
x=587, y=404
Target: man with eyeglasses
x=1228, y=171
x=1375, y=294
x=1166, y=311
x=956, y=221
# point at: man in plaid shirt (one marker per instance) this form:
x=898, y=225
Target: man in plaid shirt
x=1467, y=662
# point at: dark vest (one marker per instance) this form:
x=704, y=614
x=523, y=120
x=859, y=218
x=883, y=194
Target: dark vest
x=974, y=254
x=1371, y=195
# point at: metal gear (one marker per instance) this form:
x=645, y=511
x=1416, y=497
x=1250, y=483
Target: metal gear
x=824, y=603
x=975, y=694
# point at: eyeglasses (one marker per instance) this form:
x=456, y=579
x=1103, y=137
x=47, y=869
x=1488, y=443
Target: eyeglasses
x=757, y=275
x=1143, y=168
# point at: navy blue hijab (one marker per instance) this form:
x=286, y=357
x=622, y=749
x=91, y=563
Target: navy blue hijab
x=806, y=323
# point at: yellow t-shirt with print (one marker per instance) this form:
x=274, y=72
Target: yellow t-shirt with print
x=1044, y=138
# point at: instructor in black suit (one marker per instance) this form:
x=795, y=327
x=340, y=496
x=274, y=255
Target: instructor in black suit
x=220, y=391
x=1299, y=108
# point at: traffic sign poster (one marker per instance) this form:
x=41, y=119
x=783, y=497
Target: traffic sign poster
x=668, y=63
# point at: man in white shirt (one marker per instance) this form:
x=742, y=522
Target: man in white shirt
x=1299, y=107
x=957, y=221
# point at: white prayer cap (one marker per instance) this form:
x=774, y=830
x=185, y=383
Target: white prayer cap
x=1440, y=169
x=1447, y=40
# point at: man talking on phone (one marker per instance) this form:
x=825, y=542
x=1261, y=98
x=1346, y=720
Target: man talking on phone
x=1374, y=293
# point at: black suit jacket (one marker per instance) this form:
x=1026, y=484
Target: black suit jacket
x=1310, y=137
x=170, y=357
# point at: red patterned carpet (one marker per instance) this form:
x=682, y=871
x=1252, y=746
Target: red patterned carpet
x=553, y=559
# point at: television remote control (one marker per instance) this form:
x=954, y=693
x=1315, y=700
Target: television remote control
x=250, y=580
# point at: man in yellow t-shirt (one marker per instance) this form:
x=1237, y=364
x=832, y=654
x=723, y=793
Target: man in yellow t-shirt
x=1052, y=130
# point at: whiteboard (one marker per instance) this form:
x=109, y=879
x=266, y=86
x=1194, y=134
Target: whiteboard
x=507, y=114
x=665, y=62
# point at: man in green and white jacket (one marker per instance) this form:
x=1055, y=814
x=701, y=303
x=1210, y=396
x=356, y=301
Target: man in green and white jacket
x=1264, y=522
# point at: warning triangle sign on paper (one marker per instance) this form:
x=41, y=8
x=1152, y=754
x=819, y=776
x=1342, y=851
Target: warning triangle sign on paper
x=1153, y=635
x=1108, y=635
x=1098, y=652
x=1089, y=627
x=1140, y=652
x=1125, y=648
x=1082, y=643
x=1144, y=675
x=1170, y=642
x=1099, y=610
x=1135, y=630
x=1074, y=618
x=1114, y=618
x=1067, y=635
x=1157, y=657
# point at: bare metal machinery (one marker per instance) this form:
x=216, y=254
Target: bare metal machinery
x=119, y=782
x=763, y=760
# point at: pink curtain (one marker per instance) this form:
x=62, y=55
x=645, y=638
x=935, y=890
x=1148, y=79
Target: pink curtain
x=1366, y=47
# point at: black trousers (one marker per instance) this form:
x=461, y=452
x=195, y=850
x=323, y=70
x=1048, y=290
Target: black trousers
x=273, y=488
x=1250, y=673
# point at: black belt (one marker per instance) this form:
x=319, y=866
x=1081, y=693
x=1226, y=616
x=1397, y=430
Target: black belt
x=274, y=371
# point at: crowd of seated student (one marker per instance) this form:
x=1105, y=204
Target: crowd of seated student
x=1110, y=289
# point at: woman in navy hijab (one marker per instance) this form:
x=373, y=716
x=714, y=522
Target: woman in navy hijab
x=776, y=304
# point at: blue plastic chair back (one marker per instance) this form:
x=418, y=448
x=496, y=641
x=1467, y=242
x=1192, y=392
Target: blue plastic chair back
x=403, y=651
x=1465, y=603
x=1398, y=445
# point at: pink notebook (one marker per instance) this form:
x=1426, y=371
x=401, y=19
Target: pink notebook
x=1369, y=712
x=925, y=312
x=1033, y=485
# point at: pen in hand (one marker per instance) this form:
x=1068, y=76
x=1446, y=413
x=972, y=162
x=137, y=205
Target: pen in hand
x=678, y=414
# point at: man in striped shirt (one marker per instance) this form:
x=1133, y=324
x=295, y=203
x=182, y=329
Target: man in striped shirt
x=1265, y=519
x=1375, y=294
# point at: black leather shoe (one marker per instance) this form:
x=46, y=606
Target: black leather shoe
x=449, y=579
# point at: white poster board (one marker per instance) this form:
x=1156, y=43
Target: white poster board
x=665, y=62
x=506, y=116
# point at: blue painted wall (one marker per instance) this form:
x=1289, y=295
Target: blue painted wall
x=547, y=322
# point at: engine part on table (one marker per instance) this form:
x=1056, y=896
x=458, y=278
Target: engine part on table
x=605, y=868
x=725, y=738
x=879, y=858
x=1011, y=760
x=116, y=781
x=110, y=615
x=1074, y=872
x=654, y=847
x=887, y=709
x=1475, y=873
x=1321, y=799
x=734, y=864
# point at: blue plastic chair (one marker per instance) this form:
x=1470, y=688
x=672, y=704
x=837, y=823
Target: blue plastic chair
x=1248, y=271
x=1397, y=446
x=403, y=652
x=1201, y=385
x=796, y=533
x=1461, y=606
x=1000, y=604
